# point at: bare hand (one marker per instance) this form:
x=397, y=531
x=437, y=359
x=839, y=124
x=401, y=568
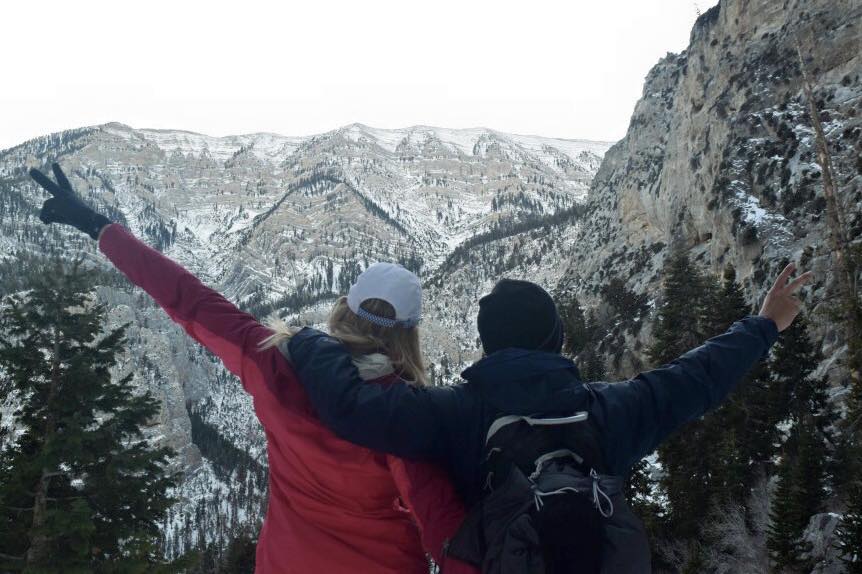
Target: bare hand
x=781, y=305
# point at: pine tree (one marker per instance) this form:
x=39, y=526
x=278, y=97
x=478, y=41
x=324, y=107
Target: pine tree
x=639, y=492
x=731, y=472
x=679, y=328
x=851, y=427
x=811, y=468
x=239, y=557
x=575, y=325
x=792, y=366
x=80, y=489
x=800, y=399
x=848, y=466
x=728, y=304
x=592, y=366
x=800, y=495
x=786, y=520
x=849, y=532
x=783, y=390
x=756, y=429
x=590, y=361
x=696, y=307
x=848, y=455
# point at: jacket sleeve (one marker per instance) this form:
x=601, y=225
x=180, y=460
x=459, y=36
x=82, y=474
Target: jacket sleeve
x=398, y=418
x=208, y=317
x=640, y=413
x=436, y=508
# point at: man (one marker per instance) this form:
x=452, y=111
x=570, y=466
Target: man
x=523, y=373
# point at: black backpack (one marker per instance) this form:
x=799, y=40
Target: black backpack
x=549, y=507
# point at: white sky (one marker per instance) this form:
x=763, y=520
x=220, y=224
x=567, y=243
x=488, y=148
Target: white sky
x=564, y=68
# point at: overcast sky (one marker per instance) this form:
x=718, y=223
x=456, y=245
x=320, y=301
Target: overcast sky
x=570, y=69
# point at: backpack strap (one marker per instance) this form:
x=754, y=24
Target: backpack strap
x=501, y=422
x=550, y=456
x=533, y=441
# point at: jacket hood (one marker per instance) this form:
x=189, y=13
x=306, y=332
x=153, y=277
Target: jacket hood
x=374, y=366
x=520, y=381
x=371, y=367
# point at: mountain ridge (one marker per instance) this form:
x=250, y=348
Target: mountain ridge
x=283, y=226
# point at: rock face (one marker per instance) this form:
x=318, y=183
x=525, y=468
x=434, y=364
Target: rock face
x=819, y=535
x=282, y=226
x=720, y=160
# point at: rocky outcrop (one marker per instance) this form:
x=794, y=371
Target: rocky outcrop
x=720, y=160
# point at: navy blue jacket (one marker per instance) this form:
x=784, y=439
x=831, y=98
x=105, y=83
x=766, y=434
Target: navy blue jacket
x=448, y=424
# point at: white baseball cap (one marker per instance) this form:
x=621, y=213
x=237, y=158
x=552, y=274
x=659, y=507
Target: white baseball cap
x=395, y=285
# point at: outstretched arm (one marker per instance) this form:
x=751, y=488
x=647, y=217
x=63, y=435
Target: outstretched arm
x=396, y=418
x=205, y=315
x=640, y=413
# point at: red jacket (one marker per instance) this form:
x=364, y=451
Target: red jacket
x=333, y=507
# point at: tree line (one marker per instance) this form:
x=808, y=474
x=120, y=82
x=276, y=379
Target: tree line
x=82, y=489
x=778, y=427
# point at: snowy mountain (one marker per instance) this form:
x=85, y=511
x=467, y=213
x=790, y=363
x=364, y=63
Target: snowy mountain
x=281, y=226
x=719, y=161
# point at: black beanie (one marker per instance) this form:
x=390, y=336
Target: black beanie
x=519, y=314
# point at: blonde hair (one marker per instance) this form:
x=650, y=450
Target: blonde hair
x=362, y=337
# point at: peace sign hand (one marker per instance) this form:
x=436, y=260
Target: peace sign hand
x=65, y=206
x=781, y=304
x=62, y=192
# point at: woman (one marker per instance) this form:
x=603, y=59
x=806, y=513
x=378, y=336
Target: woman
x=333, y=507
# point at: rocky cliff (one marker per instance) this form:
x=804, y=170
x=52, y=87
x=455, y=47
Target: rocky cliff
x=720, y=160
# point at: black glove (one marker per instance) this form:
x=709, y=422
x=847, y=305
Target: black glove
x=65, y=206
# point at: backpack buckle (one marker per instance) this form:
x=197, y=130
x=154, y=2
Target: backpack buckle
x=548, y=457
